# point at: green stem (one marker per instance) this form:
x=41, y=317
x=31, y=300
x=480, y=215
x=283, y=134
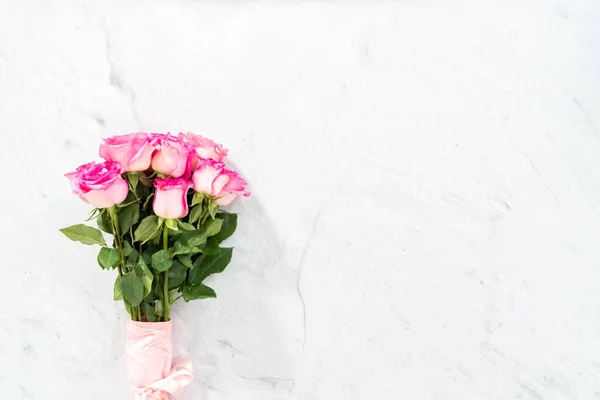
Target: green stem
x=166, y=302
x=114, y=218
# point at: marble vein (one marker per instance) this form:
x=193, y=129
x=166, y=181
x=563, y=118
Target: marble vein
x=117, y=79
x=541, y=178
x=587, y=116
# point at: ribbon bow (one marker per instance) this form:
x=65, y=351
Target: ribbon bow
x=179, y=376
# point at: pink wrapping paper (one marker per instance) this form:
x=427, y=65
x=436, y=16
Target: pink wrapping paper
x=149, y=357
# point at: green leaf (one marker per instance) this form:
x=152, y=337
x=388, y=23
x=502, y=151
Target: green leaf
x=133, y=288
x=147, y=255
x=161, y=260
x=127, y=249
x=104, y=224
x=211, y=247
x=177, y=274
x=212, y=209
x=128, y=216
x=149, y=312
x=157, y=290
x=108, y=258
x=188, y=240
x=147, y=229
x=228, y=227
x=196, y=213
x=198, y=198
x=142, y=270
x=197, y=292
x=186, y=260
x=213, y=227
x=130, y=265
x=207, y=265
x=117, y=291
x=171, y=224
x=84, y=234
x=186, y=226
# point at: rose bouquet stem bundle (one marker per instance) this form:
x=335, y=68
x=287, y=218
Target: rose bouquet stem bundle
x=159, y=196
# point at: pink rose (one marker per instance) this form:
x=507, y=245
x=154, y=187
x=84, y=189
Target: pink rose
x=212, y=178
x=99, y=184
x=172, y=156
x=235, y=186
x=170, y=197
x=205, y=148
x=133, y=151
x=207, y=177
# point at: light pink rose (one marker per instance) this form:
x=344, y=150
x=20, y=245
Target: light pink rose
x=205, y=148
x=172, y=155
x=133, y=151
x=207, y=177
x=235, y=186
x=213, y=179
x=99, y=184
x=170, y=197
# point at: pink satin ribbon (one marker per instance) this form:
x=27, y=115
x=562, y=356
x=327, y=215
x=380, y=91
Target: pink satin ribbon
x=149, y=356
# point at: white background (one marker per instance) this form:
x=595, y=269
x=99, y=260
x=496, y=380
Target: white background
x=425, y=214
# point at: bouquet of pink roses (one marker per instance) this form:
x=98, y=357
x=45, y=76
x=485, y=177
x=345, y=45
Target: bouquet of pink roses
x=166, y=238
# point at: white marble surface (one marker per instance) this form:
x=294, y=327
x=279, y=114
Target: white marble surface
x=426, y=208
